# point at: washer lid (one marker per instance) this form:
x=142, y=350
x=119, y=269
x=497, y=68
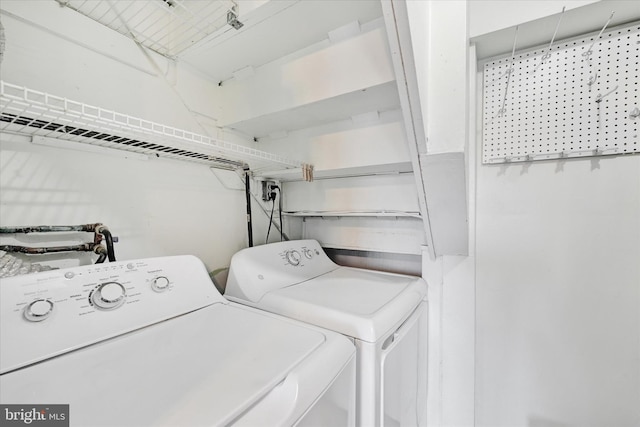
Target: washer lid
x=359, y=303
x=203, y=368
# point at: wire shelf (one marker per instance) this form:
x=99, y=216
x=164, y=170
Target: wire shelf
x=168, y=27
x=27, y=111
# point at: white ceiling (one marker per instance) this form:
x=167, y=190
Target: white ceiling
x=298, y=24
x=302, y=23
x=167, y=27
x=271, y=30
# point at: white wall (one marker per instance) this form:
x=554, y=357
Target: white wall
x=362, y=164
x=557, y=283
x=542, y=326
x=324, y=71
x=344, y=146
x=56, y=50
x=438, y=30
x=155, y=207
x=391, y=196
x=558, y=293
x=451, y=394
x=439, y=36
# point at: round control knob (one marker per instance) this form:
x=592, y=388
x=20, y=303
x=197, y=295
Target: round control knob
x=38, y=310
x=308, y=253
x=160, y=284
x=293, y=257
x=108, y=296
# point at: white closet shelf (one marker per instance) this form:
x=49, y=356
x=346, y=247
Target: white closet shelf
x=26, y=111
x=340, y=214
x=347, y=172
x=381, y=97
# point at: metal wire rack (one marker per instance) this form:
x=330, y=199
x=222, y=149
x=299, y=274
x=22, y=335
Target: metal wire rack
x=26, y=111
x=167, y=27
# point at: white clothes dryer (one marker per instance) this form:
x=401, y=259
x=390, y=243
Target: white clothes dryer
x=384, y=314
x=152, y=343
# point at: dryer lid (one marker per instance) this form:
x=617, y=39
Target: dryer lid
x=360, y=303
x=203, y=368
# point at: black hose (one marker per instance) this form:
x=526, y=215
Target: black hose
x=247, y=192
x=101, y=258
x=109, y=240
x=280, y=213
x=273, y=206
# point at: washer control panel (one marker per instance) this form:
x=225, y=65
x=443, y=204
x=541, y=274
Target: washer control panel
x=48, y=313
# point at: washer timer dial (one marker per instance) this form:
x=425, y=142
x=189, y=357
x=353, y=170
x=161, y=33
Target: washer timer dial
x=293, y=257
x=108, y=296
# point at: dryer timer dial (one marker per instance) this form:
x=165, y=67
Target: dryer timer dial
x=293, y=257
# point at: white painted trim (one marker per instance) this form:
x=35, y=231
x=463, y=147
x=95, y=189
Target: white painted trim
x=399, y=37
x=432, y=273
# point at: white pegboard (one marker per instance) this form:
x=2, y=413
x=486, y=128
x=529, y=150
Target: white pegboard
x=564, y=101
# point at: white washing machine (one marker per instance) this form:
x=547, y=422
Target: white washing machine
x=152, y=342
x=384, y=314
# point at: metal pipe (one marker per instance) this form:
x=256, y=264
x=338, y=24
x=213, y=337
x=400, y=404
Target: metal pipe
x=102, y=253
x=99, y=230
x=49, y=228
x=85, y=247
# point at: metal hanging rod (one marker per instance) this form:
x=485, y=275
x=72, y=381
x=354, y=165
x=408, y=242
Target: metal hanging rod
x=503, y=109
x=589, y=51
x=547, y=55
x=587, y=54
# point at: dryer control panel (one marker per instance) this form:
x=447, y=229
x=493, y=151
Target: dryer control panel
x=52, y=312
x=260, y=269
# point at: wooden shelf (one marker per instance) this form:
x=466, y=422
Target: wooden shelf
x=340, y=214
